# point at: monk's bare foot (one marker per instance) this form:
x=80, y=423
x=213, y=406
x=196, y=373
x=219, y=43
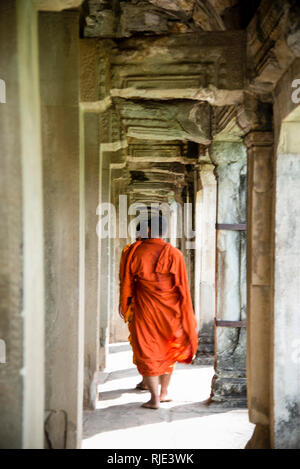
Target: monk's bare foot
x=151, y=404
x=141, y=386
x=165, y=398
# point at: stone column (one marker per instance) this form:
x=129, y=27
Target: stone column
x=188, y=226
x=104, y=262
x=59, y=72
x=118, y=329
x=229, y=384
x=92, y=327
x=205, y=273
x=285, y=385
x=21, y=231
x=110, y=154
x=260, y=193
x=91, y=106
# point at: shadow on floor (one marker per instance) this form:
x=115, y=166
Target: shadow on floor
x=119, y=374
x=115, y=394
x=133, y=415
x=105, y=376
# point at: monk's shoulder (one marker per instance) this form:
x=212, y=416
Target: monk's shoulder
x=129, y=246
x=174, y=252
x=126, y=248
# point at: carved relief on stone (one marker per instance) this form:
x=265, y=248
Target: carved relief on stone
x=142, y=150
x=179, y=62
x=224, y=124
x=254, y=114
x=260, y=151
x=126, y=18
x=270, y=48
x=183, y=120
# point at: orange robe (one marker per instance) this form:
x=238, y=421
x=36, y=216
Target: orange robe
x=125, y=253
x=156, y=301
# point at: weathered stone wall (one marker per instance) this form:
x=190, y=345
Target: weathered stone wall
x=283, y=94
x=21, y=231
x=286, y=355
x=59, y=73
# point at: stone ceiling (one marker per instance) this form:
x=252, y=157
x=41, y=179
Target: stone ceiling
x=173, y=72
x=124, y=18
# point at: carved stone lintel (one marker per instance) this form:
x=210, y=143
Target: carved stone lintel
x=187, y=120
x=185, y=63
x=258, y=139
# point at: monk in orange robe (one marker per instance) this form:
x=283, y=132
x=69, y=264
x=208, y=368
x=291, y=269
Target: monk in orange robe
x=141, y=385
x=155, y=300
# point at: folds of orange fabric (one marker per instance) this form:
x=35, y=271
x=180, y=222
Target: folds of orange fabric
x=156, y=302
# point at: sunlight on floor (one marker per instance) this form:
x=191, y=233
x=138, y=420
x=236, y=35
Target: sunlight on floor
x=120, y=422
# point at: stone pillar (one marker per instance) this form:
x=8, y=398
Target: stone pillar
x=92, y=328
x=110, y=154
x=118, y=329
x=285, y=386
x=260, y=194
x=229, y=383
x=21, y=231
x=188, y=226
x=91, y=105
x=205, y=256
x=59, y=73
x=104, y=262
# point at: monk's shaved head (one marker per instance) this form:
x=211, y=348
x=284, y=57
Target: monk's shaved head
x=142, y=230
x=158, y=226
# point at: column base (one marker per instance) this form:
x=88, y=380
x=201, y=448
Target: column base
x=204, y=359
x=90, y=394
x=56, y=427
x=230, y=392
x=260, y=438
x=206, y=351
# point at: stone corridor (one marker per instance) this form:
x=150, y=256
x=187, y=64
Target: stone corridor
x=187, y=422
x=108, y=105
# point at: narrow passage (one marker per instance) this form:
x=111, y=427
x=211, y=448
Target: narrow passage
x=120, y=422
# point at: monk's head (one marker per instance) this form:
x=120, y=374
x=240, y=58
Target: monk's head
x=142, y=230
x=157, y=226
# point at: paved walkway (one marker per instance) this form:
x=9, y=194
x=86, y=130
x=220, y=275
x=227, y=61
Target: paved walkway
x=119, y=421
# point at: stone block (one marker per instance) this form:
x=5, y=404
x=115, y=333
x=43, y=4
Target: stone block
x=172, y=121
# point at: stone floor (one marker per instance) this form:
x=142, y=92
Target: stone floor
x=119, y=422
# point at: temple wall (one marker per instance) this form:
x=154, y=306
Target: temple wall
x=21, y=235
x=59, y=74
